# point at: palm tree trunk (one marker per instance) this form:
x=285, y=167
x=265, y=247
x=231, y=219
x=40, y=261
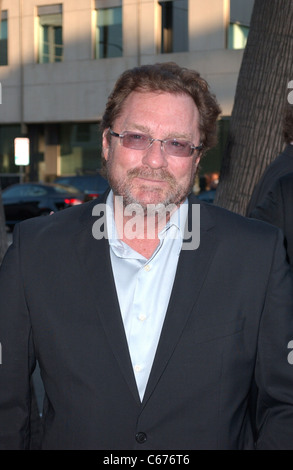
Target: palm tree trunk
x=255, y=136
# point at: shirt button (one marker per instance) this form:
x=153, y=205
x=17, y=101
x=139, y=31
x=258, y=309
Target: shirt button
x=142, y=317
x=147, y=268
x=141, y=437
x=137, y=368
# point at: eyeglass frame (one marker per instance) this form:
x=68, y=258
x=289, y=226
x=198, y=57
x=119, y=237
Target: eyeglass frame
x=193, y=148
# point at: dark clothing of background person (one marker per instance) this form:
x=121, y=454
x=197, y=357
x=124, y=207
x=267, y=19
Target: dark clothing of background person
x=282, y=165
x=277, y=209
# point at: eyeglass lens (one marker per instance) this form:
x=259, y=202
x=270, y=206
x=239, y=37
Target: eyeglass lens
x=173, y=147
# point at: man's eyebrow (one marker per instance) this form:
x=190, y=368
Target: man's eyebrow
x=146, y=130
x=139, y=127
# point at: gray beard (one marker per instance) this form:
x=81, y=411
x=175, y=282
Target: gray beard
x=176, y=196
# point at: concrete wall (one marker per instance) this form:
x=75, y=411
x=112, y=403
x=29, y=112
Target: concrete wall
x=76, y=89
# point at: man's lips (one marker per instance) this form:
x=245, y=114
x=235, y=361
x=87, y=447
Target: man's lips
x=151, y=180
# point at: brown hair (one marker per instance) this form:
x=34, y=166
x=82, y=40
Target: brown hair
x=166, y=77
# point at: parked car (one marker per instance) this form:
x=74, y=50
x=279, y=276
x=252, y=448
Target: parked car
x=207, y=196
x=91, y=185
x=25, y=200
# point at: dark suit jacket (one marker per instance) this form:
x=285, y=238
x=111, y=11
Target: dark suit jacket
x=226, y=333
x=277, y=209
x=282, y=165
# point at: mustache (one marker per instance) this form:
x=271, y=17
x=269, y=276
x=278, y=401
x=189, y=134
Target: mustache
x=159, y=174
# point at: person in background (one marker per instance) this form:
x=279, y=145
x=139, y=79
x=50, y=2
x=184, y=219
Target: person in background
x=158, y=321
x=277, y=209
x=282, y=165
x=208, y=193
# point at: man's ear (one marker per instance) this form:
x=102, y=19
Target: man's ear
x=197, y=160
x=105, y=143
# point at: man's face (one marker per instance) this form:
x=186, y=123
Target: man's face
x=152, y=176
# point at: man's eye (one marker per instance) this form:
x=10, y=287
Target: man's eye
x=177, y=144
x=137, y=137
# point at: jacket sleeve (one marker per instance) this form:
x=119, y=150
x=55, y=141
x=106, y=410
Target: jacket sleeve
x=271, y=210
x=17, y=357
x=274, y=362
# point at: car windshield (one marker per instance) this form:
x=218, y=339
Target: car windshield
x=63, y=189
x=84, y=183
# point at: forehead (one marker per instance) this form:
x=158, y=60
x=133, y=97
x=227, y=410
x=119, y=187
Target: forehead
x=159, y=111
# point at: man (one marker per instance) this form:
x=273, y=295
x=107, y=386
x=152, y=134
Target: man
x=142, y=342
x=277, y=209
x=282, y=165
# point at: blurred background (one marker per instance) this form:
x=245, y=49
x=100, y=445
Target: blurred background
x=59, y=61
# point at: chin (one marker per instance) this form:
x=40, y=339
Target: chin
x=150, y=197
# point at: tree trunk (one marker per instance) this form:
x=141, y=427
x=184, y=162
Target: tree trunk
x=255, y=136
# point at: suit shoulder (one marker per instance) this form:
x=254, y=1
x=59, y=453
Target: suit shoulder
x=229, y=222
x=286, y=182
x=62, y=223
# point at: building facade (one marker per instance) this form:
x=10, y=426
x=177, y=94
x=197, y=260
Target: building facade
x=60, y=59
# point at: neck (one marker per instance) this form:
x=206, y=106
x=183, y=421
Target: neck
x=140, y=228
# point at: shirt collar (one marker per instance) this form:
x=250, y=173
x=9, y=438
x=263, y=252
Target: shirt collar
x=176, y=223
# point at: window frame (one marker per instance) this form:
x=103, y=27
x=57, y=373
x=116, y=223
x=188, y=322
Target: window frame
x=168, y=39
x=107, y=8
x=54, y=12
x=4, y=57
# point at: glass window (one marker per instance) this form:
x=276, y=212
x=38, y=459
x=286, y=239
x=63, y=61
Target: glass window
x=34, y=191
x=3, y=39
x=174, y=25
x=80, y=148
x=50, y=34
x=13, y=191
x=237, y=36
x=7, y=160
x=59, y=189
x=238, y=29
x=108, y=33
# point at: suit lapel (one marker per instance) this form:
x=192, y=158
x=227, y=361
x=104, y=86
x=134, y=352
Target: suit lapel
x=94, y=257
x=192, y=269
x=193, y=265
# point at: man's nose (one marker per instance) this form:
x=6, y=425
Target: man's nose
x=155, y=156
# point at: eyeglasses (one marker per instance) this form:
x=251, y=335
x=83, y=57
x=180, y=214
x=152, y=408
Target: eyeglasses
x=138, y=141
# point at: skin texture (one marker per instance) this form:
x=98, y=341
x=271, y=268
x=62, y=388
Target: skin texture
x=151, y=176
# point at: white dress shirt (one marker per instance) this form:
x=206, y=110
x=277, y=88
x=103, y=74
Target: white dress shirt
x=144, y=287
